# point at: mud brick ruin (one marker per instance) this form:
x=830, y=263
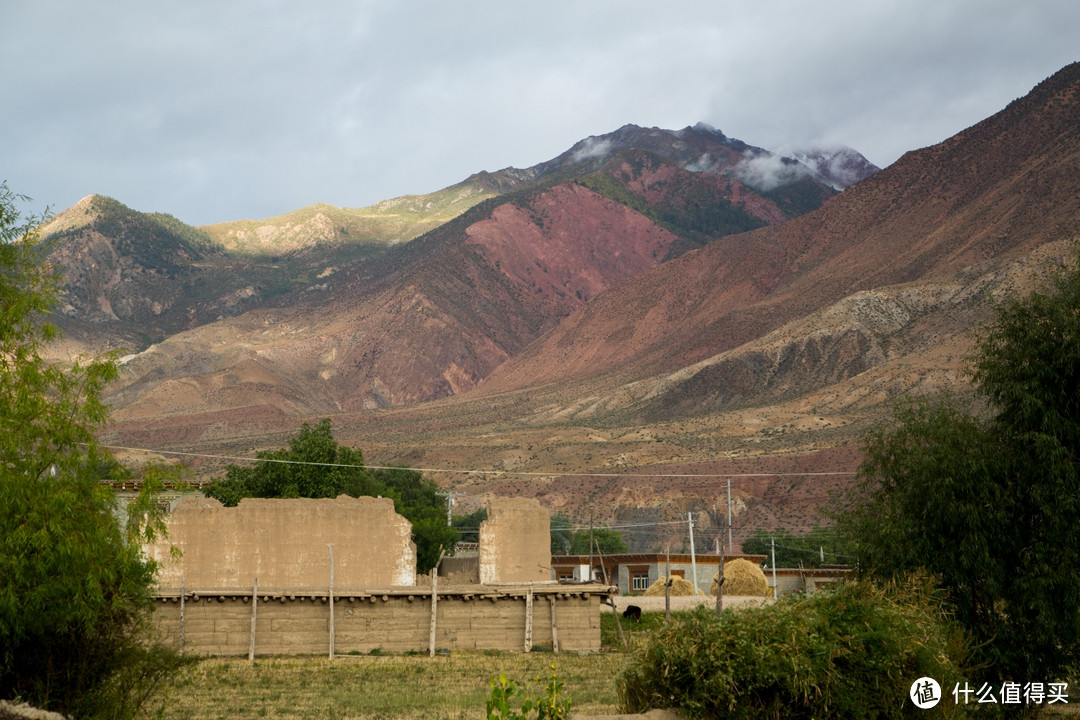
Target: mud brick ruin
x=336, y=576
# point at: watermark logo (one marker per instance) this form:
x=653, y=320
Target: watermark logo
x=925, y=693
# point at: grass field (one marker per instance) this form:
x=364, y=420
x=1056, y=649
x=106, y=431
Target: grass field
x=408, y=686
x=453, y=686
x=393, y=686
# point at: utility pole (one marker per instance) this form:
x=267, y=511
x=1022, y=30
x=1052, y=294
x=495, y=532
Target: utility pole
x=715, y=515
x=730, y=545
x=716, y=519
x=590, y=546
x=693, y=557
x=449, y=504
x=775, y=592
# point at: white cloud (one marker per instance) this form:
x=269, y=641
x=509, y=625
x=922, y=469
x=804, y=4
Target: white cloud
x=767, y=172
x=591, y=147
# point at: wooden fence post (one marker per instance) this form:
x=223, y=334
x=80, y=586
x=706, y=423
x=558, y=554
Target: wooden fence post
x=254, y=605
x=182, y=593
x=554, y=626
x=720, y=578
x=667, y=586
x=434, y=602
x=611, y=599
x=529, y=619
x=331, y=549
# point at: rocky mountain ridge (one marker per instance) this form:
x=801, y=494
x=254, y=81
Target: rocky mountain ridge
x=377, y=319
x=596, y=321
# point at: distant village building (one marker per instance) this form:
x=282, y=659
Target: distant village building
x=808, y=580
x=633, y=573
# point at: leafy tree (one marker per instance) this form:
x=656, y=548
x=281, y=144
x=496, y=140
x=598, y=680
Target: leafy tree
x=562, y=531
x=609, y=541
x=75, y=591
x=989, y=501
x=313, y=466
x=565, y=540
x=316, y=466
x=468, y=526
x=792, y=549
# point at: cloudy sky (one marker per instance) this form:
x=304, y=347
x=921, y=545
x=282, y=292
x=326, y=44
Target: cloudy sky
x=215, y=110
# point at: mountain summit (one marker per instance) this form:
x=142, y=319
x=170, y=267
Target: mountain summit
x=703, y=148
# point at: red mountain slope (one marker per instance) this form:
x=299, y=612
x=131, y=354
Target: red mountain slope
x=435, y=317
x=999, y=189
x=474, y=296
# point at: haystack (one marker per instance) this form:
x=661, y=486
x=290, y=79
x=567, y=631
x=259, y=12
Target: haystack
x=742, y=577
x=680, y=587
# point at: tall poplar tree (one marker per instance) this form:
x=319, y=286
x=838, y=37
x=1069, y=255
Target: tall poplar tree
x=74, y=587
x=988, y=502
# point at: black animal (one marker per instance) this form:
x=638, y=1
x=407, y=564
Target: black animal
x=632, y=612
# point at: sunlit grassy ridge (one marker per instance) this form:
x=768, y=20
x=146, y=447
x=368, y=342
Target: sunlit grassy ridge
x=386, y=223
x=143, y=233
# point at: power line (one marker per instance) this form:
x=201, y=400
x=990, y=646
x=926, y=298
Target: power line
x=641, y=528
x=522, y=473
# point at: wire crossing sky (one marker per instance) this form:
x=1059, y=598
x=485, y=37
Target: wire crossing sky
x=459, y=471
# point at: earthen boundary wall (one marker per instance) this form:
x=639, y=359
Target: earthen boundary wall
x=390, y=619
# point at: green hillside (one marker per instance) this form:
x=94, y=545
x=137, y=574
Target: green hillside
x=350, y=232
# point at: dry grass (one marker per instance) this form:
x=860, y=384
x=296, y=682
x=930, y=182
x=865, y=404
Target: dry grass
x=741, y=577
x=383, y=686
x=680, y=587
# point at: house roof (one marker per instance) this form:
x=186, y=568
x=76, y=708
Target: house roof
x=651, y=559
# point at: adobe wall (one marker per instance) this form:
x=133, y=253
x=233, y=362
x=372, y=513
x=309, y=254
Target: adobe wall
x=390, y=619
x=283, y=543
x=515, y=542
x=375, y=601
x=462, y=570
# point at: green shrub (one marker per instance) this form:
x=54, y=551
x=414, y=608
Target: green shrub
x=509, y=694
x=852, y=652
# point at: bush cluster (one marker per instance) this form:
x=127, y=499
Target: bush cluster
x=852, y=652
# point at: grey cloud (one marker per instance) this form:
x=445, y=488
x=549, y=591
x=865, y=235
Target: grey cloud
x=213, y=111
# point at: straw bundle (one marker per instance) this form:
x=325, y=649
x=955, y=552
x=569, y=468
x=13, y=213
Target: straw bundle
x=680, y=587
x=741, y=577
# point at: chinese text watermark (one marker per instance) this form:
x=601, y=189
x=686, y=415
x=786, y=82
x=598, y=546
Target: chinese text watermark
x=926, y=693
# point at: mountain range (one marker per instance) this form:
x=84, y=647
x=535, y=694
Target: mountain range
x=621, y=327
